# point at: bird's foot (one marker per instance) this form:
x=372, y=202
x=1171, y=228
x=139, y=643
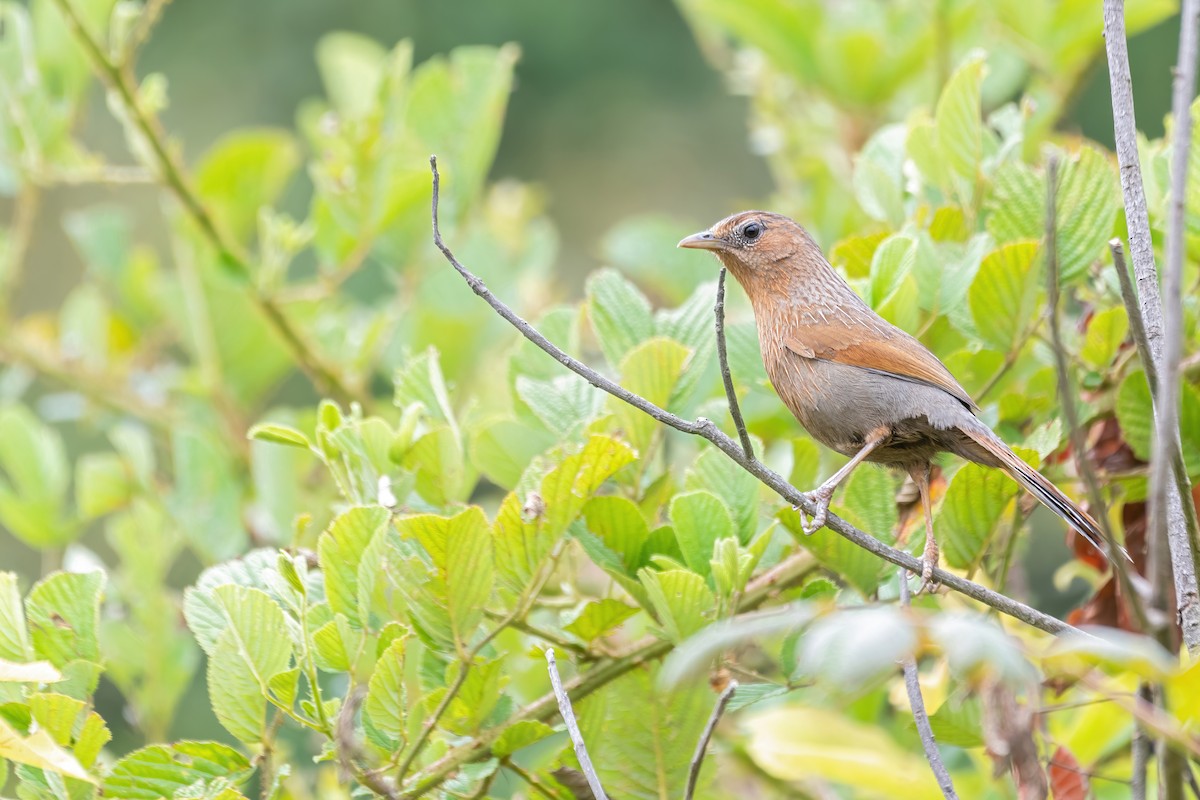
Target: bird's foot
x=820, y=497
x=929, y=562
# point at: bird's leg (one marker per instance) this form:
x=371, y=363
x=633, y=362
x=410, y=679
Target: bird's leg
x=824, y=493
x=929, y=558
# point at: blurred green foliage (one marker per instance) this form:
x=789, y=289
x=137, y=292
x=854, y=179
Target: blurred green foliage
x=384, y=504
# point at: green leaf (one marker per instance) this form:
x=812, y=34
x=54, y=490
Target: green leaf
x=599, y=617
x=1114, y=651
x=855, y=254
x=878, y=180
x=870, y=500
x=795, y=743
x=102, y=484
x=620, y=314
x=56, y=714
x=503, y=449
x=91, y=740
x=700, y=519
x=651, y=370
x=243, y=172
x=252, y=649
x=64, y=612
x=714, y=472
x=1105, y=333
x=619, y=523
x=1135, y=413
x=33, y=479
x=443, y=474
x=341, y=549
x=15, y=644
x=958, y=119
x=523, y=540
x=893, y=261
x=351, y=67
x=385, y=708
x=681, y=601
x=522, y=734
x=959, y=724
x=279, y=434
x=1004, y=294
x=856, y=566
x=39, y=750
x=162, y=771
x=806, y=462
x=461, y=549
x=974, y=501
x=564, y=404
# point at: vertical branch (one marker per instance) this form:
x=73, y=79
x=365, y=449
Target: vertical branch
x=912, y=683
x=735, y=410
x=718, y=710
x=568, y=715
x=1066, y=397
x=1172, y=510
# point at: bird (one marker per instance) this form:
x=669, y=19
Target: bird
x=857, y=383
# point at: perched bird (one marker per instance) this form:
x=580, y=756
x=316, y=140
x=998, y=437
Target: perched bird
x=857, y=383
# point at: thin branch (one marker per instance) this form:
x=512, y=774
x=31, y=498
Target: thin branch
x=1140, y=747
x=1179, y=516
x=349, y=753
x=1166, y=514
x=568, y=715
x=173, y=174
x=912, y=683
x=735, y=410
x=1066, y=397
x=705, y=429
x=718, y=709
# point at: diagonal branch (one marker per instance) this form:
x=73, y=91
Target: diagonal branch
x=705, y=429
x=568, y=716
x=715, y=717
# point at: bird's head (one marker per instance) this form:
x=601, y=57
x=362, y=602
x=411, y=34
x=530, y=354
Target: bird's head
x=755, y=245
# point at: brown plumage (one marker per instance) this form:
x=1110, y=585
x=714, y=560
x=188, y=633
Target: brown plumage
x=857, y=383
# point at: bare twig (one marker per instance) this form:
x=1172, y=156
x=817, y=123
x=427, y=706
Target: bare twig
x=706, y=736
x=705, y=429
x=1066, y=397
x=735, y=410
x=912, y=683
x=1178, y=515
x=1167, y=514
x=173, y=174
x=348, y=751
x=568, y=715
x=1141, y=750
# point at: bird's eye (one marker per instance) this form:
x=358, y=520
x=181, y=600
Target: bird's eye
x=752, y=231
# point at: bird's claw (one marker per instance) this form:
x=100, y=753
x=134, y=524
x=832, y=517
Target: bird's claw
x=820, y=498
x=929, y=562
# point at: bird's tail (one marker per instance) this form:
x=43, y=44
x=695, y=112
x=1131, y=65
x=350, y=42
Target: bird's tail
x=1045, y=491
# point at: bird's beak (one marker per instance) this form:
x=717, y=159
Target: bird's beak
x=702, y=241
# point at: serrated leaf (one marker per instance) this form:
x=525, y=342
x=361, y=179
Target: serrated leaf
x=253, y=648
x=599, y=617
x=893, y=261
x=564, y=404
x=700, y=519
x=870, y=497
x=652, y=369
x=503, y=449
x=163, y=770
x=522, y=734
x=959, y=724
x=974, y=501
x=443, y=474
x=341, y=549
x=385, y=708
x=1003, y=295
x=620, y=314
x=806, y=461
x=682, y=602
x=91, y=739
x=958, y=119
x=522, y=543
x=32, y=672
x=736, y=487
x=63, y=612
x=1135, y=413
x=56, y=714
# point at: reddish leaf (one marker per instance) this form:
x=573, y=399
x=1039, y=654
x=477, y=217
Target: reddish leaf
x=1068, y=781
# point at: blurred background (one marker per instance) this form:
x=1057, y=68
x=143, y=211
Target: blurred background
x=615, y=111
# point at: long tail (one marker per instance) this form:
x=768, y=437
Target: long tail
x=1045, y=491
